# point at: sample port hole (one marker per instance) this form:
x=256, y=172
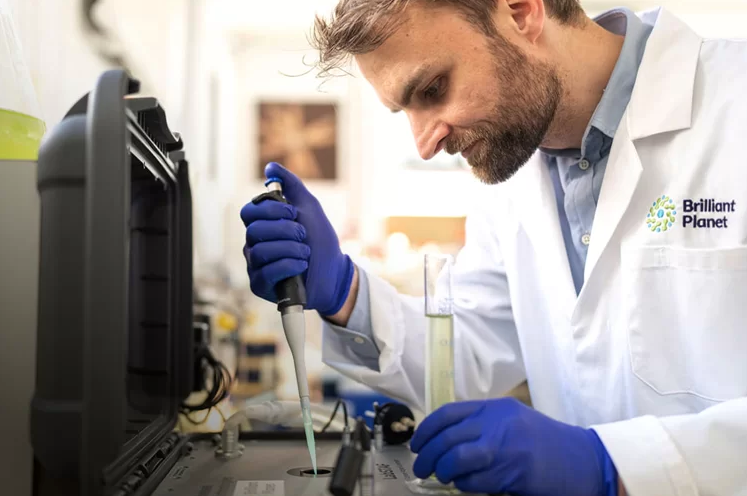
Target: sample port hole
x=319, y=471
x=309, y=472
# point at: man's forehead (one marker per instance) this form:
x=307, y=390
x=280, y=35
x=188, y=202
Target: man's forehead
x=395, y=81
x=394, y=67
x=422, y=42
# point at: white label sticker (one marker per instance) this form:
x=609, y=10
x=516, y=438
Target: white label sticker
x=259, y=488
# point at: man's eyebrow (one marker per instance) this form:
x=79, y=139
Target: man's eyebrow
x=412, y=84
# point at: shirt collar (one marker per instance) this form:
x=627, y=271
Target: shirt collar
x=616, y=96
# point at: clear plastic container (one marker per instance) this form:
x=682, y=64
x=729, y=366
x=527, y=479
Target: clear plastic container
x=21, y=124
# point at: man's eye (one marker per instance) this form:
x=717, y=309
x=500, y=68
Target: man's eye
x=433, y=91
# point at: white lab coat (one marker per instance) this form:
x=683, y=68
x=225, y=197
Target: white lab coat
x=653, y=352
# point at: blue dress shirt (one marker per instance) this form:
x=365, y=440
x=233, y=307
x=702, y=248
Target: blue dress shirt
x=577, y=173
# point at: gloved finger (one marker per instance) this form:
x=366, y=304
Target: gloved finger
x=464, y=459
x=274, y=230
x=442, y=418
x=271, y=251
x=272, y=273
x=480, y=482
x=446, y=440
x=267, y=210
x=293, y=189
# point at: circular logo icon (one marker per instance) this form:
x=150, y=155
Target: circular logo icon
x=661, y=214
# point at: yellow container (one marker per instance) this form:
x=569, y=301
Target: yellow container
x=20, y=135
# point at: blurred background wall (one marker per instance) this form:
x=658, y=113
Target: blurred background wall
x=213, y=63
x=228, y=71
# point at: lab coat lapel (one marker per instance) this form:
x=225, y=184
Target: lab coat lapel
x=620, y=181
x=661, y=102
x=534, y=199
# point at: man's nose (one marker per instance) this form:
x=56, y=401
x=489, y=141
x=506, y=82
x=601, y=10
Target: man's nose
x=429, y=135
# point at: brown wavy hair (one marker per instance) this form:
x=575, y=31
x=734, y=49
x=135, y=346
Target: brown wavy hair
x=360, y=26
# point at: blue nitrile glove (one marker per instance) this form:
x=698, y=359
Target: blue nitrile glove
x=501, y=445
x=284, y=240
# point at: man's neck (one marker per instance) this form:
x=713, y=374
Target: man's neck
x=585, y=61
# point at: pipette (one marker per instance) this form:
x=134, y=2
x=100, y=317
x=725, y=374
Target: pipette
x=291, y=295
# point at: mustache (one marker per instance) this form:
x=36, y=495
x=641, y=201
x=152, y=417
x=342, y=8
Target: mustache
x=457, y=143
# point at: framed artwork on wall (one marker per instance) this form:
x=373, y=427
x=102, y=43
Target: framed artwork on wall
x=302, y=136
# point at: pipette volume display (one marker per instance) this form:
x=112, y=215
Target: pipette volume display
x=291, y=295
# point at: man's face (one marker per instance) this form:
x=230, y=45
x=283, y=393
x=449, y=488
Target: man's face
x=465, y=92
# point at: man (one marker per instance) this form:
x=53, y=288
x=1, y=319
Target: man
x=631, y=334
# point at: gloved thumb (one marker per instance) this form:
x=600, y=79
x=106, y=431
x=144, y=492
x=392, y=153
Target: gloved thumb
x=293, y=189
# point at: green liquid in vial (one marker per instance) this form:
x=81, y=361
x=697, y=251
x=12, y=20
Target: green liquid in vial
x=20, y=136
x=439, y=362
x=439, y=387
x=439, y=358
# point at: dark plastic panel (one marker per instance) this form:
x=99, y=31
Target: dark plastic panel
x=114, y=340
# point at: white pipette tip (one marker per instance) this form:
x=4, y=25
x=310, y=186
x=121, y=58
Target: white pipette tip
x=308, y=428
x=294, y=325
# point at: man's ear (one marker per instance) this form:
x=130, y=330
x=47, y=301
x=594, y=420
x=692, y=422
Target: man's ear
x=528, y=17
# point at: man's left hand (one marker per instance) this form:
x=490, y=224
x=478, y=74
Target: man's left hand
x=501, y=445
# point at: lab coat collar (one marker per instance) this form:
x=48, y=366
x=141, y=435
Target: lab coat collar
x=661, y=102
x=662, y=97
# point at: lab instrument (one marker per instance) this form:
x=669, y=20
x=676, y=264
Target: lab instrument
x=277, y=463
x=114, y=337
x=277, y=413
x=395, y=422
x=439, y=350
x=114, y=341
x=291, y=300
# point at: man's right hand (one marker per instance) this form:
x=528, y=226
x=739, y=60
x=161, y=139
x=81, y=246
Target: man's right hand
x=284, y=240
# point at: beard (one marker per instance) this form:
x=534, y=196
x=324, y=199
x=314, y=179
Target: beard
x=530, y=96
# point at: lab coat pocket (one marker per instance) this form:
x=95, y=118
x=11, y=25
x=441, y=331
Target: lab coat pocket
x=686, y=316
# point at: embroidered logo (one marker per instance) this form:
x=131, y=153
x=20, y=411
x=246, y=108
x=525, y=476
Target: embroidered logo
x=661, y=214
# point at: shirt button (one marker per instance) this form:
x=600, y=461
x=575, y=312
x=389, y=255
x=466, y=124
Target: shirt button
x=359, y=340
x=584, y=164
x=586, y=239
